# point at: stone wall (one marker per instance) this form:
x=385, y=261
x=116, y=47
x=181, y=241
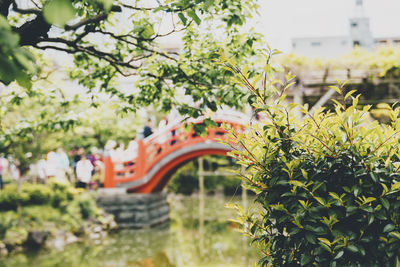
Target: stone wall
x=134, y=210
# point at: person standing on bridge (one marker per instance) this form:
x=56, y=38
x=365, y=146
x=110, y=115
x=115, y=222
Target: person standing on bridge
x=148, y=130
x=162, y=134
x=132, y=149
x=173, y=118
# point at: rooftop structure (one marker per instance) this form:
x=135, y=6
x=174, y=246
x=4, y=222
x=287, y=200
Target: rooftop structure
x=333, y=46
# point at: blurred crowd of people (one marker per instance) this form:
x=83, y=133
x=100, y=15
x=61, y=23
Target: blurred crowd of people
x=83, y=168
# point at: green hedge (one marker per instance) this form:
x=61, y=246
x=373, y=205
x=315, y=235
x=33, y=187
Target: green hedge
x=329, y=182
x=38, y=205
x=36, y=194
x=10, y=199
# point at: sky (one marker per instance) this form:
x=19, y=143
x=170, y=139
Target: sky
x=281, y=20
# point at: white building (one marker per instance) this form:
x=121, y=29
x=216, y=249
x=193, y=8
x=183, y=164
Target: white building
x=333, y=46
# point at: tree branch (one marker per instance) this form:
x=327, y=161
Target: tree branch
x=26, y=11
x=165, y=8
x=32, y=31
x=97, y=18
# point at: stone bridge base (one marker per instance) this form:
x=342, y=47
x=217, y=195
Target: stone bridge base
x=134, y=210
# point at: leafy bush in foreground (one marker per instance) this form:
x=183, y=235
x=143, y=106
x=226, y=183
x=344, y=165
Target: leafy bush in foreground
x=39, y=205
x=329, y=182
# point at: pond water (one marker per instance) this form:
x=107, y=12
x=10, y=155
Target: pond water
x=179, y=243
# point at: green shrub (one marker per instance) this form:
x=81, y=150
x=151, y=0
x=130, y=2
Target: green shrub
x=329, y=183
x=87, y=205
x=10, y=199
x=57, y=186
x=58, y=199
x=38, y=193
x=52, y=205
x=7, y=220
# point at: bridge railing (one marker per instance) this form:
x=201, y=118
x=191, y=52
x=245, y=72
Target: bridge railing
x=155, y=147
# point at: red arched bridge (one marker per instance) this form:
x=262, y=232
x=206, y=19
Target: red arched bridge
x=157, y=161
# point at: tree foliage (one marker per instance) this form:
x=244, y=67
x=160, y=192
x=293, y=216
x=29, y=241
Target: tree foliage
x=329, y=183
x=375, y=63
x=110, y=40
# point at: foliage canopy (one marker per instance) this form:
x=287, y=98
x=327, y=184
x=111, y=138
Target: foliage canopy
x=166, y=46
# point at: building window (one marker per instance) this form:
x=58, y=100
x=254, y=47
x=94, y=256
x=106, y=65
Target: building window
x=396, y=41
x=315, y=43
x=356, y=43
x=354, y=24
x=344, y=42
x=294, y=45
x=383, y=41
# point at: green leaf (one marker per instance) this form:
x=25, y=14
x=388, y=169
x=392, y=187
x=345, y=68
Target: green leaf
x=334, y=195
x=349, y=94
x=356, y=191
x=385, y=203
x=148, y=31
x=245, y=70
x=23, y=79
x=371, y=219
x=304, y=173
x=385, y=189
x=58, y=12
x=396, y=186
x=24, y=60
x=310, y=238
x=374, y=177
x=326, y=247
x=182, y=18
x=4, y=23
x=395, y=234
x=339, y=255
x=305, y=259
x=352, y=248
x=208, y=3
x=388, y=228
x=320, y=200
x=107, y=4
x=296, y=183
x=210, y=123
x=193, y=15
x=325, y=241
x=337, y=89
x=8, y=70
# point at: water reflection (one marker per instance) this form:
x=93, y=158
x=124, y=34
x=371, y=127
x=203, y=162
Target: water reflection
x=176, y=244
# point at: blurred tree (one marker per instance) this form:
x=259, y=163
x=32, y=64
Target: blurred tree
x=43, y=118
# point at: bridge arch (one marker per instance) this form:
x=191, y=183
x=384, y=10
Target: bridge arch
x=155, y=163
x=158, y=177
